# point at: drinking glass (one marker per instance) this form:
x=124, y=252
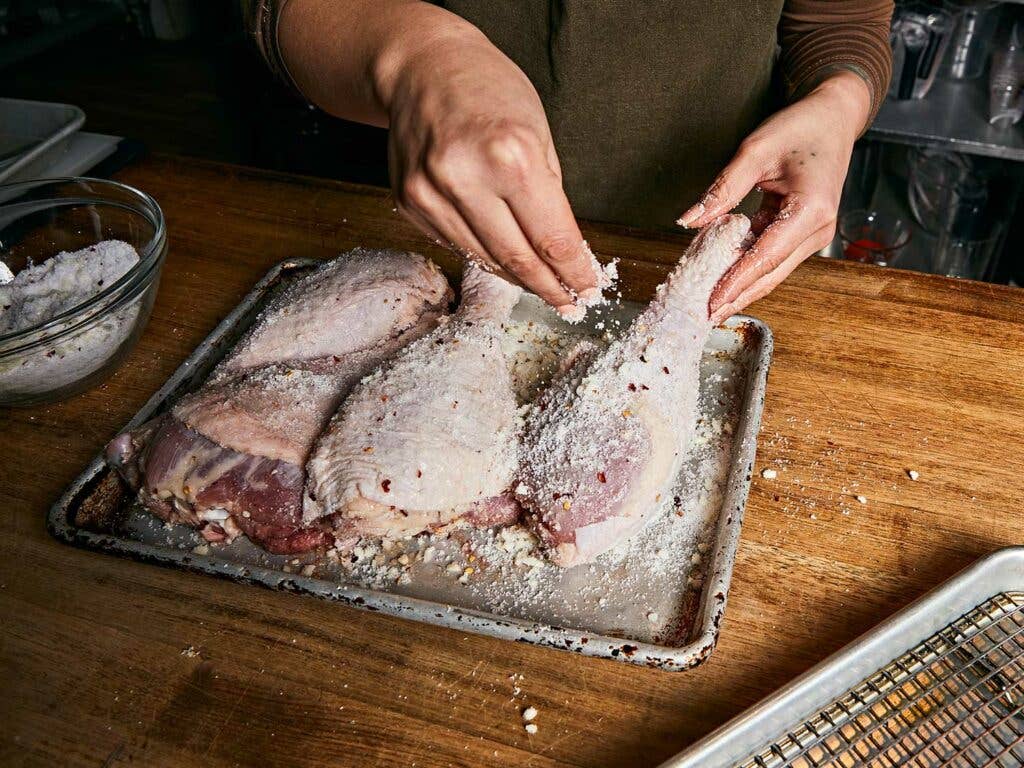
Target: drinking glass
x=873, y=237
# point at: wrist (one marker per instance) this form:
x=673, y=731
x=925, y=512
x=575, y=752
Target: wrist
x=345, y=56
x=849, y=97
x=423, y=31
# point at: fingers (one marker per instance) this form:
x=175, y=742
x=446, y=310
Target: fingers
x=426, y=208
x=499, y=196
x=771, y=204
x=722, y=309
x=515, y=169
x=791, y=227
x=485, y=231
x=501, y=236
x=542, y=212
x=733, y=184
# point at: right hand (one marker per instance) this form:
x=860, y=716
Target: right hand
x=473, y=165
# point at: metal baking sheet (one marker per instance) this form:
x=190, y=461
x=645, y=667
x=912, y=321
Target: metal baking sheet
x=995, y=582
x=33, y=134
x=656, y=601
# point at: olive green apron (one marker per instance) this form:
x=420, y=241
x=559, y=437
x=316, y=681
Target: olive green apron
x=647, y=101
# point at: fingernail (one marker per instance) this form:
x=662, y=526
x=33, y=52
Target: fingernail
x=691, y=215
x=571, y=313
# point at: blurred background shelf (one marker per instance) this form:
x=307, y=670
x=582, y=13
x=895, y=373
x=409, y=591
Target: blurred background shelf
x=953, y=116
x=18, y=45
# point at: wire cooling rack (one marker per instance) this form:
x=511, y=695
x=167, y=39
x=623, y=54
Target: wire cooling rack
x=955, y=699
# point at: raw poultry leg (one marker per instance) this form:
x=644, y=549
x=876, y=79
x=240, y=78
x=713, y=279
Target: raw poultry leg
x=229, y=458
x=605, y=442
x=429, y=438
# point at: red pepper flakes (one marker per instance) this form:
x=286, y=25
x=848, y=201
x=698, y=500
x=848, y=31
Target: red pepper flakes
x=664, y=368
x=383, y=398
x=419, y=473
x=631, y=387
x=386, y=485
x=601, y=477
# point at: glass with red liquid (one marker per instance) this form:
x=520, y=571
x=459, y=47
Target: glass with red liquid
x=873, y=237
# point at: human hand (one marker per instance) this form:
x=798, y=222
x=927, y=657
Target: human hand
x=799, y=158
x=474, y=166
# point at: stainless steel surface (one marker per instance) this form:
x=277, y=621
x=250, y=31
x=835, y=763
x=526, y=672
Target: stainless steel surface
x=940, y=683
x=975, y=23
x=83, y=152
x=32, y=133
x=616, y=620
x=919, y=35
x=955, y=116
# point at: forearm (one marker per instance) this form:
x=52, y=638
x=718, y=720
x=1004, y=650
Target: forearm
x=823, y=38
x=346, y=57
x=850, y=99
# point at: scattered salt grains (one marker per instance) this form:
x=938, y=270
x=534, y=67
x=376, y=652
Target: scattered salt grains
x=190, y=652
x=531, y=728
x=529, y=713
x=861, y=499
x=913, y=474
x=769, y=474
x=639, y=584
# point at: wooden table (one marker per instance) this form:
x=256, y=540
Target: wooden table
x=876, y=372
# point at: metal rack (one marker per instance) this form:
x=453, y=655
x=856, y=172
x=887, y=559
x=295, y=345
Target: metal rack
x=954, y=699
x=954, y=116
x=941, y=683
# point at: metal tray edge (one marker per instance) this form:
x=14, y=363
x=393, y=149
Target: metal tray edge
x=668, y=658
x=51, y=142
x=733, y=740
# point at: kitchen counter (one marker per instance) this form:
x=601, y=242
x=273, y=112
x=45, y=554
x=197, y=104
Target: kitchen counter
x=105, y=661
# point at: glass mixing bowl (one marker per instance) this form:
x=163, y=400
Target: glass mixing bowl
x=79, y=347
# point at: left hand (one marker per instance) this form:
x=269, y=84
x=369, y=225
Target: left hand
x=799, y=158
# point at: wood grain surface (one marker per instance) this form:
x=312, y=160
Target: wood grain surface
x=876, y=372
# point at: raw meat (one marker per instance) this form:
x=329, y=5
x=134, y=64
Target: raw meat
x=603, y=446
x=432, y=436
x=229, y=458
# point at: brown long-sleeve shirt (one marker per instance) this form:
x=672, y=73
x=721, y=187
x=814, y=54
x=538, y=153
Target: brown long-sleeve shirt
x=648, y=99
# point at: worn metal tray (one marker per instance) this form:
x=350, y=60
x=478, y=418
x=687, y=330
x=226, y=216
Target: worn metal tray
x=657, y=601
x=940, y=683
x=33, y=133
